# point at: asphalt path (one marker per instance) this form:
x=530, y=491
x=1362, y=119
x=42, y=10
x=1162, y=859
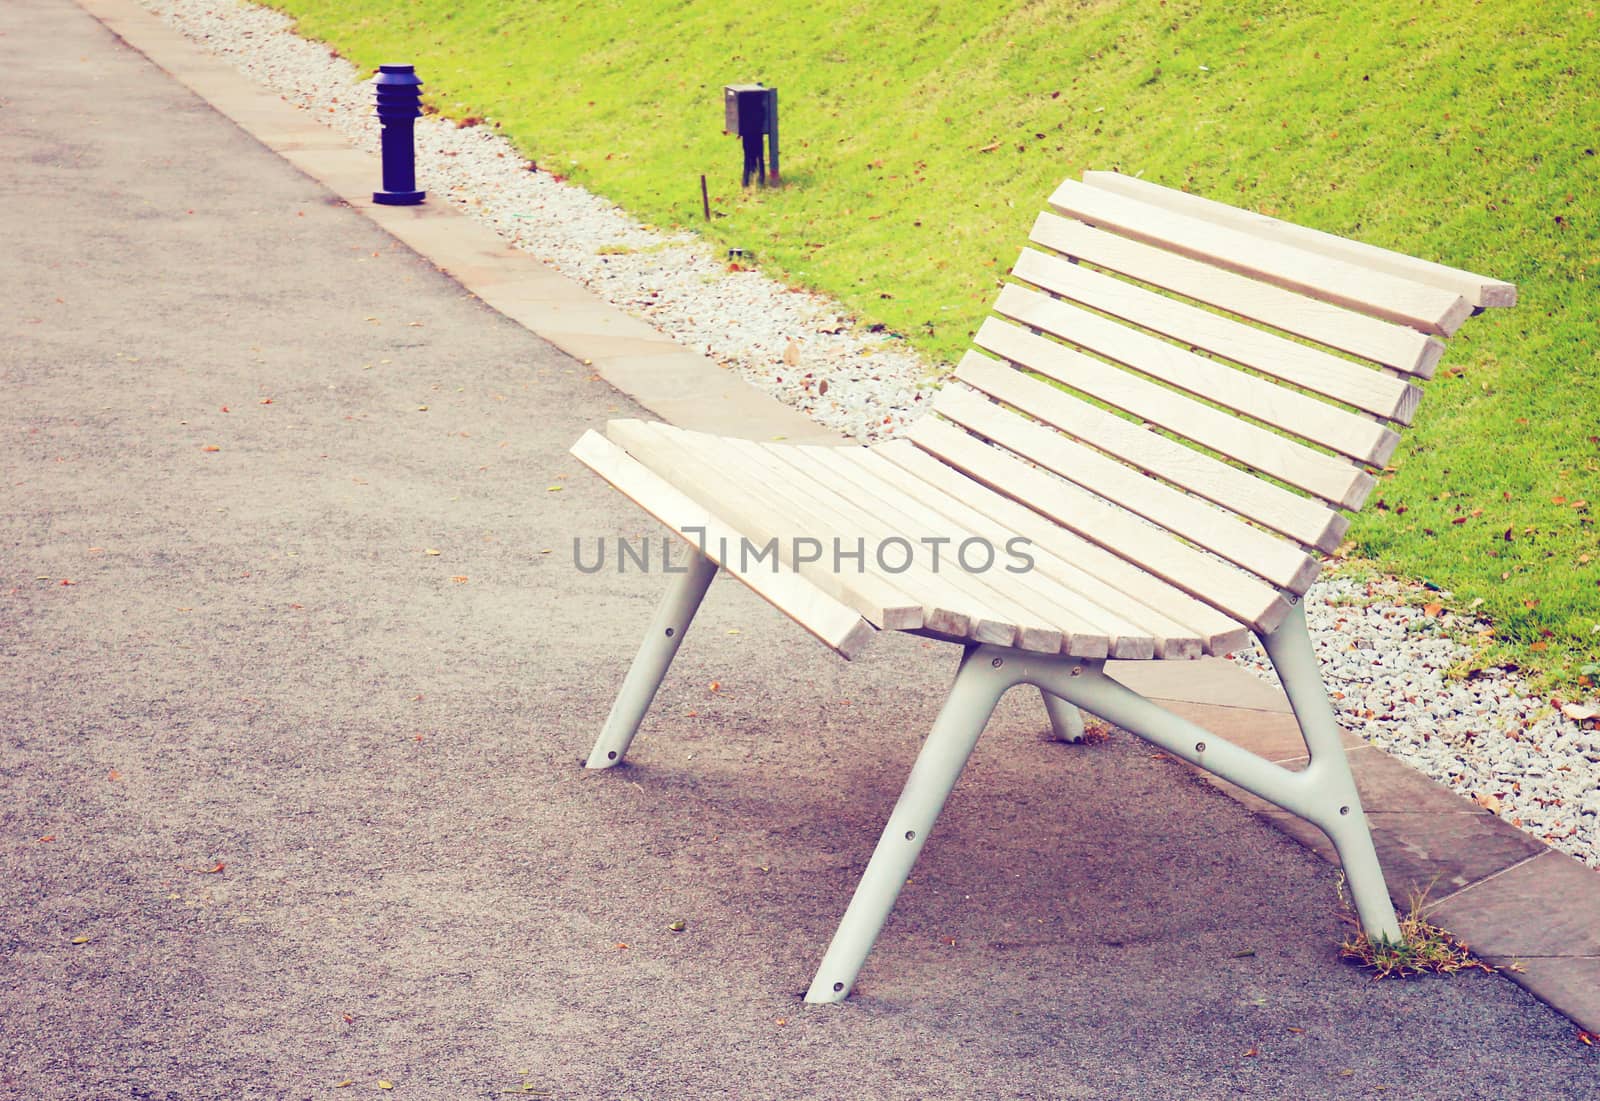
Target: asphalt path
x=296, y=669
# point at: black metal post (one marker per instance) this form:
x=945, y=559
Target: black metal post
x=772, y=136
x=399, y=106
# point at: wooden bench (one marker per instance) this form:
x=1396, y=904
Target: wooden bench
x=1174, y=409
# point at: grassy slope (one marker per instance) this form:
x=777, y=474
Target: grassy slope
x=1467, y=135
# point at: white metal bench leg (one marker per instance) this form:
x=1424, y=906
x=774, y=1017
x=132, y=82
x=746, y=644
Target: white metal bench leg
x=1345, y=823
x=1066, y=721
x=661, y=644
x=1324, y=793
x=978, y=686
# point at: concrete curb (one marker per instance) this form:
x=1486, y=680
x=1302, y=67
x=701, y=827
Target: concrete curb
x=1523, y=907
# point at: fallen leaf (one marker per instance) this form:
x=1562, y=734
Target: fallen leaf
x=349, y=1020
x=1432, y=611
x=678, y=925
x=1249, y=1052
x=114, y=776
x=791, y=355
x=620, y=946
x=384, y=1084
x=1490, y=803
x=216, y=869
x=1296, y=1031
x=342, y=1085
x=1579, y=712
x=552, y=489
x=48, y=837
x=716, y=686
x=422, y=408
x=459, y=580
x=211, y=447
x=80, y=940
x=990, y=148
x=431, y=552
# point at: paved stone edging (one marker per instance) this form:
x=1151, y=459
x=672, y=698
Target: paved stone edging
x=1530, y=910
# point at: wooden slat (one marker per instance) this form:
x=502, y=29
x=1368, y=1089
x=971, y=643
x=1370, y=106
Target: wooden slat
x=1268, y=556
x=1134, y=631
x=1029, y=599
x=1146, y=599
x=1307, y=521
x=1427, y=309
x=818, y=511
x=1341, y=379
x=1380, y=341
x=1328, y=477
x=1361, y=438
x=991, y=619
x=882, y=604
x=833, y=623
x=1243, y=597
x=837, y=468
x=1478, y=290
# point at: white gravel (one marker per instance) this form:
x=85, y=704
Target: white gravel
x=1388, y=664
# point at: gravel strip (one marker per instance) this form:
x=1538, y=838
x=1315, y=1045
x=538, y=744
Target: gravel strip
x=1387, y=662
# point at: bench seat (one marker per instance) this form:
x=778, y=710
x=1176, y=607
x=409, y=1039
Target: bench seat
x=1062, y=593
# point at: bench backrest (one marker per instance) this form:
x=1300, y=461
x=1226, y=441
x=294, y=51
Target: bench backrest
x=1209, y=390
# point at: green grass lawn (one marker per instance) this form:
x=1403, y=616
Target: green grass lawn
x=919, y=143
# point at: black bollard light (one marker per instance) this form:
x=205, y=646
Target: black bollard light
x=399, y=105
